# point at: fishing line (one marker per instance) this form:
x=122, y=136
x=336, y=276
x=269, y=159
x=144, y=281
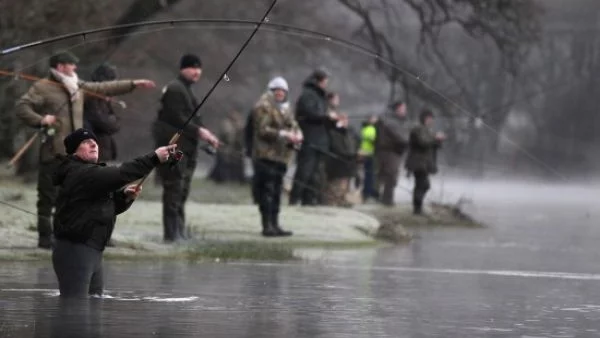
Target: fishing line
x=282, y=29
x=28, y=77
x=21, y=209
x=32, y=78
x=86, y=42
x=216, y=83
x=305, y=33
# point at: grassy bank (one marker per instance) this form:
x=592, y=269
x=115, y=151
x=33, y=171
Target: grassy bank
x=225, y=225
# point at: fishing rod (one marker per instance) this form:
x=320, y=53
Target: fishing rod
x=205, y=148
x=178, y=155
x=282, y=27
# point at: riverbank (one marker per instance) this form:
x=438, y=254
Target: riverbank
x=223, y=222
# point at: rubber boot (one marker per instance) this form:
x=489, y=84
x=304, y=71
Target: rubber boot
x=417, y=206
x=275, y=223
x=268, y=229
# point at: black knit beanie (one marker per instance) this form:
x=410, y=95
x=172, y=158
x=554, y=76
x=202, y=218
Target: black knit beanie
x=190, y=60
x=104, y=72
x=424, y=115
x=75, y=138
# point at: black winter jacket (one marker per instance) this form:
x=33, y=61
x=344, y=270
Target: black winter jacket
x=99, y=117
x=178, y=104
x=344, y=146
x=311, y=114
x=90, y=197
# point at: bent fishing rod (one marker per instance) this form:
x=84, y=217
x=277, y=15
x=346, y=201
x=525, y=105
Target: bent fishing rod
x=178, y=155
x=280, y=27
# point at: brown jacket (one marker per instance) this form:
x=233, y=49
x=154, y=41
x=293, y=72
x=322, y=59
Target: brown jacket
x=268, y=122
x=49, y=97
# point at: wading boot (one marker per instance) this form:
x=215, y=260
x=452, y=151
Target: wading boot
x=275, y=223
x=268, y=229
x=417, y=207
x=45, y=242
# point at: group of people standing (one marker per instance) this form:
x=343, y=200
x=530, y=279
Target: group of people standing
x=87, y=194
x=329, y=152
x=390, y=139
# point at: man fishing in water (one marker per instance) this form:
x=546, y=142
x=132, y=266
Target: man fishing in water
x=90, y=197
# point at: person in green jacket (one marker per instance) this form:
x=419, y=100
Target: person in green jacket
x=368, y=134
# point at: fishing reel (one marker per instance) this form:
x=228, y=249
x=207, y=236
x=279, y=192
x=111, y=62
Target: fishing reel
x=174, y=157
x=47, y=133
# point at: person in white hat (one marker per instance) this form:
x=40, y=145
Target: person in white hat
x=275, y=135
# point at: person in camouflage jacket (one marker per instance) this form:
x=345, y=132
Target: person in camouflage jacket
x=276, y=133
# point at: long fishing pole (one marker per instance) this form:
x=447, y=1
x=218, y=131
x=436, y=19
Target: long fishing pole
x=223, y=75
x=281, y=27
x=84, y=34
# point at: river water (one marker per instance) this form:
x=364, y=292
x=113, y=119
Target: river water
x=532, y=272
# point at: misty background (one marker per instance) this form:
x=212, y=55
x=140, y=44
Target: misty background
x=512, y=82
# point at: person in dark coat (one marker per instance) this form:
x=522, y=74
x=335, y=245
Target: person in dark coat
x=341, y=162
x=90, y=196
x=178, y=104
x=99, y=116
x=421, y=159
x=313, y=118
x=390, y=146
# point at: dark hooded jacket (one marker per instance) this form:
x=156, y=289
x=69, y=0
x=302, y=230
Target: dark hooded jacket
x=311, y=114
x=99, y=116
x=90, y=198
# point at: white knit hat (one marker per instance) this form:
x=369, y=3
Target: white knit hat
x=278, y=83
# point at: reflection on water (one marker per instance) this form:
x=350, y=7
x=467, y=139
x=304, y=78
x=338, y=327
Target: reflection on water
x=525, y=275
x=301, y=300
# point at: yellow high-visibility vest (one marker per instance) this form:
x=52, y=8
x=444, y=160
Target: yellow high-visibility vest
x=368, y=135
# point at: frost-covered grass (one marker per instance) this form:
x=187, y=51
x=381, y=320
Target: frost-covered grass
x=225, y=225
x=224, y=231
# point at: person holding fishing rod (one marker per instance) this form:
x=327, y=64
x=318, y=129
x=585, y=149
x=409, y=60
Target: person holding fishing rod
x=421, y=161
x=90, y=196
x=178, y=103
x=342, y=164
x=55, y=105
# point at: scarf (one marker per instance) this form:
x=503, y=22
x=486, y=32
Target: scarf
x=70, y=82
